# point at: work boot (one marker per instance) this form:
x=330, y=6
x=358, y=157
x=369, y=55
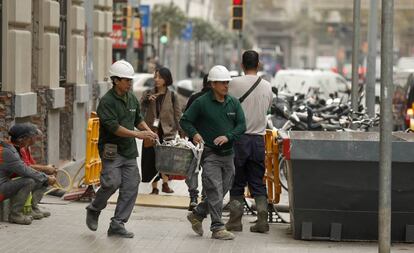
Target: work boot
x=92, y=218
x=116, y=229
x=193, y=203
x=166, y=188
x=236, y=213
x=262, y=224
x=17, y=203
x=37, y=213
x=20, y=218
x=196, y=223
x=223, y=234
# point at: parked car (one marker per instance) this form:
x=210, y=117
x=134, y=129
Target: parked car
x=324, y=84
x=264, y=75
x=326, y=63
x=141, y=83
x=184, y=87
x=405, y=63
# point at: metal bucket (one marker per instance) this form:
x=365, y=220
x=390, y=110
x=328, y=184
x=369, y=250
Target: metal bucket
x=173, y=160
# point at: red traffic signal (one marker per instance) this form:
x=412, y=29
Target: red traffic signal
x=237, y=15
x=237, y=2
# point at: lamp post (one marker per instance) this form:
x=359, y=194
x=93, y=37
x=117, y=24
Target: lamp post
x=355, y=54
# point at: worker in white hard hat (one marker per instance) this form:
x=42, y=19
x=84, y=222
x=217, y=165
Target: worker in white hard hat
x=217, y=120
x=119, y=114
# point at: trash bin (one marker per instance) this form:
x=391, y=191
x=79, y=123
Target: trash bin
x=333, y=185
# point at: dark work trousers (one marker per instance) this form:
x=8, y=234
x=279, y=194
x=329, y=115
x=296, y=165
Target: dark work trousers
x=249, y=163
x=120, y=173
x=217, y=177
x=11, y=187
x=18, y=191
x=192, y=184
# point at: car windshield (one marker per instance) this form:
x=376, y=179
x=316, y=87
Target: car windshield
x=293, y=84
x=406, y=63
x=149, y=83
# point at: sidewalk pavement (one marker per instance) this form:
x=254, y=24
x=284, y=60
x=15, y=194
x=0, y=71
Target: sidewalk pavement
x=156, y=230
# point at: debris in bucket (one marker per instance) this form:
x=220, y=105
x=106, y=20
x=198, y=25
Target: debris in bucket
x=185, y=143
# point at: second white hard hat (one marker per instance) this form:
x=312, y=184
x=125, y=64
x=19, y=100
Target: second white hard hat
x=219, y=73
x=122, y=69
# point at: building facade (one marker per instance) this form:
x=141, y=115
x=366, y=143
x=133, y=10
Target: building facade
x=53, y=70
x=305, y=29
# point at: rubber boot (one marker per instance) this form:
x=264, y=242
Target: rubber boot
x=236, y=213
x=36, y=212
x=17, y=203
x=262, y=224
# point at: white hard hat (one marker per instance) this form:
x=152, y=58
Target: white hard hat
x=122, y=69
x=219, y=73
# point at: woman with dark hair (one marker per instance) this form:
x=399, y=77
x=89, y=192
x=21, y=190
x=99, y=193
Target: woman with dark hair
x=162, y=113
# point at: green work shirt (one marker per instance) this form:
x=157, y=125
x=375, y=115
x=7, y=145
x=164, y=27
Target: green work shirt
x=114, y=111
x=211, y=119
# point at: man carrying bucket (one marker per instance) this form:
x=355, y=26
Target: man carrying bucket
x=216, y=119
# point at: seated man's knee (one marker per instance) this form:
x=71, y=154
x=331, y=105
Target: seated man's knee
x=27, y=181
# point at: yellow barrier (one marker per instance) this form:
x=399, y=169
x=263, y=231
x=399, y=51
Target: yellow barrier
x=93, y=161
x=271, y=177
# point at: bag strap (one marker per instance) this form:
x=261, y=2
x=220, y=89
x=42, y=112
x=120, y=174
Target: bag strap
x=242, y=98
x=173, y=97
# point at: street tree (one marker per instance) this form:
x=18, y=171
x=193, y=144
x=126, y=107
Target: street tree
x=169, y=14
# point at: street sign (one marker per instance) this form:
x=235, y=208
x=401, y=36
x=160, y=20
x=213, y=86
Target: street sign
x=145, y=15
x=187, y=33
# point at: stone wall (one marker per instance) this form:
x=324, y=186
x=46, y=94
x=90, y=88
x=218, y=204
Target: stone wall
x=6, y=113
x=39, y=150
x=66, y=123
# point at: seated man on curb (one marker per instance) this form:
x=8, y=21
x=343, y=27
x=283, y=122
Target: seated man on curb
x=22, y=143
x=24, y=147
x=30, y=180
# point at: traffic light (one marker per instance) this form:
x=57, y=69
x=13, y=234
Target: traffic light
x=127, y=11
x=164, y=33
x=237, y=15
x=126, y=22
x=126, y=27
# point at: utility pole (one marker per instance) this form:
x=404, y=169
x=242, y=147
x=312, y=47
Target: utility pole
x=385, y=173
x=89, y=76
x=355, y=54
x=372, y=57
x=130, y=43
x=239, y=51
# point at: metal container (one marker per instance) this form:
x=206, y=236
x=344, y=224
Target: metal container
x=333, y=185
x=173, y=160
